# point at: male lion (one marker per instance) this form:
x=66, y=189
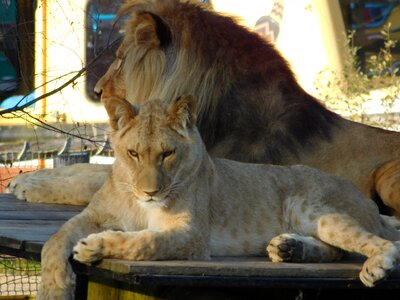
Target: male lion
x=251, y=107
x=173, y=201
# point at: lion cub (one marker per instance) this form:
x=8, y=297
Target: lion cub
x=171, y=200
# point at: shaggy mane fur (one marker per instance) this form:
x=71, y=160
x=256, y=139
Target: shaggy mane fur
x=209, y=55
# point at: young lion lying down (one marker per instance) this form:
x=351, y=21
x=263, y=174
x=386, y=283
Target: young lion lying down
x=170, y=200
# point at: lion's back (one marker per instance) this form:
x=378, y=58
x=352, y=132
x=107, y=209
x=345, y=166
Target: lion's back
x=252, y=203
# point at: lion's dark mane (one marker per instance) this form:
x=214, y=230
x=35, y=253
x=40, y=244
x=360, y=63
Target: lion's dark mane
x=264, y=102
x=248, y=96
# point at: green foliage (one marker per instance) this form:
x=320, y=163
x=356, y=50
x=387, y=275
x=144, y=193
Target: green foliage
x=18, y=266
x=348, y=90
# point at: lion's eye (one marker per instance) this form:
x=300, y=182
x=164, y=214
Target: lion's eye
x=133, y=153
x=166, y=154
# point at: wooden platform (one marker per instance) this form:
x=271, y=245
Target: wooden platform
x=24, y=228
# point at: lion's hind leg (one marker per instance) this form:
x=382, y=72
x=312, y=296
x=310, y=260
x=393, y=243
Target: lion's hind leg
x=342, y=231
x=74, y=184
x=291, y=247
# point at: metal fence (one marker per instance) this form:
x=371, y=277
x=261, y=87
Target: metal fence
x=20, y=278
x=24, y=157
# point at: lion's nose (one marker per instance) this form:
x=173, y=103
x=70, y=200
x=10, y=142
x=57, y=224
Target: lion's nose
x=151, y=193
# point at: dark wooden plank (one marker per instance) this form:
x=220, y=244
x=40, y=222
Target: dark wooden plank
x=36, y=215
x=11, y=243
x=13, y=233
x=25, y=227
x=13, y=209
x=35, y=256
x=233, y=272
x=24, y=224
x=18, y=240
x=30, y=234
x=255, y=266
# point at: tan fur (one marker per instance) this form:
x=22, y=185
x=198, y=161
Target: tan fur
x=43, y=186
x=250, y=107
x=169, y=199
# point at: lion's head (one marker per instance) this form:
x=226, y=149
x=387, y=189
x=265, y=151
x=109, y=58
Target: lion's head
x=156, y=146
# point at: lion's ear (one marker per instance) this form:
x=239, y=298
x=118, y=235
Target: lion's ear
x=150, y=31
x=182, y=114
x=119, y=111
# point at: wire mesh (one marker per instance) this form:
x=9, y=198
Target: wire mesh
x=18, y=276
x=21, y=277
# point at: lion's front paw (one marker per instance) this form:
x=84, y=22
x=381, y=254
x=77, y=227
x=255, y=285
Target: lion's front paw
x=285, y=248
x=377, y=268
x=90, y=249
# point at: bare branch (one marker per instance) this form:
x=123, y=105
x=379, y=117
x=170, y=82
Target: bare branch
x=79, y=73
